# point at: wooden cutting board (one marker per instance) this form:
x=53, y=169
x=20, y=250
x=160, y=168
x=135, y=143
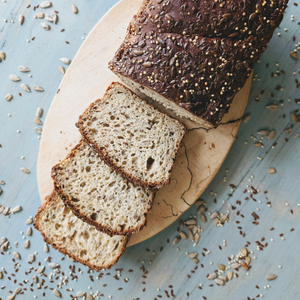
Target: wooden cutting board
x=86, y=80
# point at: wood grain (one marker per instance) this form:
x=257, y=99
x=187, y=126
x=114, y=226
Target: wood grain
x=86, y=80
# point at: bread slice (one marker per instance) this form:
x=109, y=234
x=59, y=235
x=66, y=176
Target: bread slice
x=100, y=196
x=69, y=235
x=134, y=138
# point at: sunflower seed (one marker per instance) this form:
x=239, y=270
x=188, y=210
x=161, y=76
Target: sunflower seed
x=214, y=215
x=183, y=235
x=16, y=255
x=193, y=255
x=248, y=260
x=1, y=191
x=11, y=297
x=29, y=221
x=223, y=277
x=38, y=88
x=35, y=279
x=1, y=209
x=272, y=107
x=216, y=221
x=258, y=144
x=195, y=230
x=39, y=112
x=46, y=248
x=230, y=275
x=3, y=240
x=4, y=246
x=245, y=266
x=176, y=240
x=244, y=251
x=271, y=277
x=39, y=15
x=53, y=265
x=29, y=231
x=271, y=171
x=191, y=236
x=25, y=87
x=288, y=130
x=200, y=210
x=5, y=211
x=31, y=258
x=25, y=170
x=16, y=209
x=48, y=18
x=21, y=19
x=235, y=266
x=180, y=223
x=1, y=275
x=65, y=60
x=74, y=9
x=17, y=291
x=294, y=54
x=45, y=26
x=271, y=135
x=37, y=121
x=221, y=267
x=297, y=135
x=219, y=281
x=190, y=222
x=26, y=245
x=2, y=182
x=195, y=260
x=62, y=70
x=263, y=132
x=41, y=269
x=212, y=276
x=38, y=130
x=225, y=218
x=71, y=259
x=45, y=4
x=293, y=117
x=57, y=293
x=89, y=297
x=55, y=18
x=203, y=218
x=2, y=55
x=23, y=69
x=80, y=294
x=246, y=118
x=14, y=78
x=8, y=97
x=199, y=202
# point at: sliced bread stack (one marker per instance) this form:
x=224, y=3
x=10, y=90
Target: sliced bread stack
x=104, y=189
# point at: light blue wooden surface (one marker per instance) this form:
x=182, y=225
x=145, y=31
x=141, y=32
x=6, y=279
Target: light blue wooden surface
x=169, y=266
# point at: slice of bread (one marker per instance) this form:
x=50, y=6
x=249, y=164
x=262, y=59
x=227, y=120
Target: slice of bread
x=133, y=137
x=69, y=235
x=100, y=196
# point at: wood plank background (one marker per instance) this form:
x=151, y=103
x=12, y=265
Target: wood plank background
x=168, y=265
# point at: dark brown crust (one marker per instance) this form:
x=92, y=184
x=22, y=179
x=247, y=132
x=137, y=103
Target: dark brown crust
x=193, y=33
x=104, y=156
x=63, y=251
x=85, y=218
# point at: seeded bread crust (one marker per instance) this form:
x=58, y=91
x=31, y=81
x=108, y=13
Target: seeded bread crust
x=168, y=41
x=105, y=157
x=84, y=217
x=36, y=224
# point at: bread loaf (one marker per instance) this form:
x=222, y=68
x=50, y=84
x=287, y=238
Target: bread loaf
x=100, y=196
x=136, y=140
x=194, y=57
x=65, y=232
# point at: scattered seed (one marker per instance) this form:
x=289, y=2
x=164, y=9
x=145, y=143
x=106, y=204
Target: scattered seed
x=38, y=88
x=4, y=246
x=271, y=171
x=62, y=70
x=245, y=266
x=21, y=19
x=14, y=78
x=272, y=107
x=244, y=251
x=65, y=60
x=176, y=240
x=45, y=26
x=3, y=240
x=200, y=210
x=31, y=258
x=263, y=132
x=53, y=265
x=219, y=281
x=246, y=118
x=1, y=275
x=38, y=130
x=17, y=291
x=196, y=238
x=294, y=54
x=183, y=235
x=230, y=275
x=16, y=209
x=26, y=245
x=45, y=4
x=41, y=269
x=80, y=294
x=38, y=121
x=2, y=55
x=248, y=260
x=221, y=267
x=39, y=15
x=212, y=276
x=23, y=69
x=215, y=215
x=8, y=97
x=195, y=260
x=57, y=293
x=193, y=255
x=25, y=170
x=5, y=211
x=224, y=278
x=55, y=18
x=2, y=182
x=190, y=222
x=235, y=266
x=293, y=117
x=297, y=135
x=191, y=236
x=74, y=9
x=39, y=112
x=48, y=18
x=16, y=255
x=35, y=279
x=11, y=297
x=29, y=221
x=216, y=221
x=199, y=202
x=89, y=297
x=25, y=87
x=258, y=144
x=271, y=135
x=271, y=277
x=203, y=218
x=46, y=248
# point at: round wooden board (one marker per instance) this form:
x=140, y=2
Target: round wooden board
x=86, y=80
